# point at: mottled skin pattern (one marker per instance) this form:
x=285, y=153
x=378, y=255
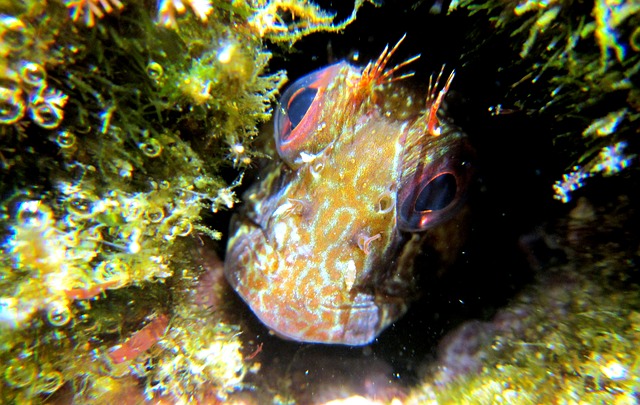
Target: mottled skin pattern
x=324, y=249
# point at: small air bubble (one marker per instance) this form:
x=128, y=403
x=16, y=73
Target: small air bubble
x=152, y=148
x=182, y=228
x=65, y=139
x=33, y=74
x=155, y=215
x=155, y=71
x=58, y=314
x=45, y=115
x=49, y=382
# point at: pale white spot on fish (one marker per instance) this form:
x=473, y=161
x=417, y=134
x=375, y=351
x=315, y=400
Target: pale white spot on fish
x=305, y=251
x=316, y=169
x=307, y=157
x=350, y=274
x=280, y=232
x=295, y=236
x=286, y=207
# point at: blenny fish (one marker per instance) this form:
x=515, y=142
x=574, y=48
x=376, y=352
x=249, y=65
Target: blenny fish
x=324, y=248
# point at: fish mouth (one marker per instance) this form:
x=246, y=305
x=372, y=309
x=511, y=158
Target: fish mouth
x=241, y=249
x=345, y=325
x=356, y=321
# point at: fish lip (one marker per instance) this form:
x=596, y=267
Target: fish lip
x=239, y=250
x=363, y=325
x=360, y=322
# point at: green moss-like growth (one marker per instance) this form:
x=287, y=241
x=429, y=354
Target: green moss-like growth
x=585, y=57
x=569, y=338
x=114, y=125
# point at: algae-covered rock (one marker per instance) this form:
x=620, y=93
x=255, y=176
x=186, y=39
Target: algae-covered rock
x=569, y=337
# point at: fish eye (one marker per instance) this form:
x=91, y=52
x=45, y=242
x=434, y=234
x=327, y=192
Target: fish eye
x=435, y=192
x=299, y=105
x=299, y=110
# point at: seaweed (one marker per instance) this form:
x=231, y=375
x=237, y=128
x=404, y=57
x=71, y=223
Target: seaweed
x=115, y=125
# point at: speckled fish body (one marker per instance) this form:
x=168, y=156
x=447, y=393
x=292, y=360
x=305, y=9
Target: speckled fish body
x=324, y=249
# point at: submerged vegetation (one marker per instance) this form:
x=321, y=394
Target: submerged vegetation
x=581, y=61
x=115, y=121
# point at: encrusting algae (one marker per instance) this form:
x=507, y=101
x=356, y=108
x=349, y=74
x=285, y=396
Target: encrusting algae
x=114, y=125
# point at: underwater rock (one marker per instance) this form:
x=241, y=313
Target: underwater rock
x=571, y=332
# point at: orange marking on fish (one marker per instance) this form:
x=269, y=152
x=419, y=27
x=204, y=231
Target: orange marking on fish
x=323, y=250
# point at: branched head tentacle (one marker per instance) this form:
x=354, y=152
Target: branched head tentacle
x=427, y=126
x=376, y=74
x=434, y=101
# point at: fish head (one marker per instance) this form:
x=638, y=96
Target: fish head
x=324, y=249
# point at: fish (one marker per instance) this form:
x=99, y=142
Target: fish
x=323, y=250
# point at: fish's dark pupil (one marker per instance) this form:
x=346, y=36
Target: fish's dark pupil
x=437, y=194
x=299, y=105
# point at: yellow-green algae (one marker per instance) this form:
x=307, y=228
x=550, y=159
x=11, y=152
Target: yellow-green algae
x=115, y=120
x=574, y=333
x=581, y=61
x=581, y=319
